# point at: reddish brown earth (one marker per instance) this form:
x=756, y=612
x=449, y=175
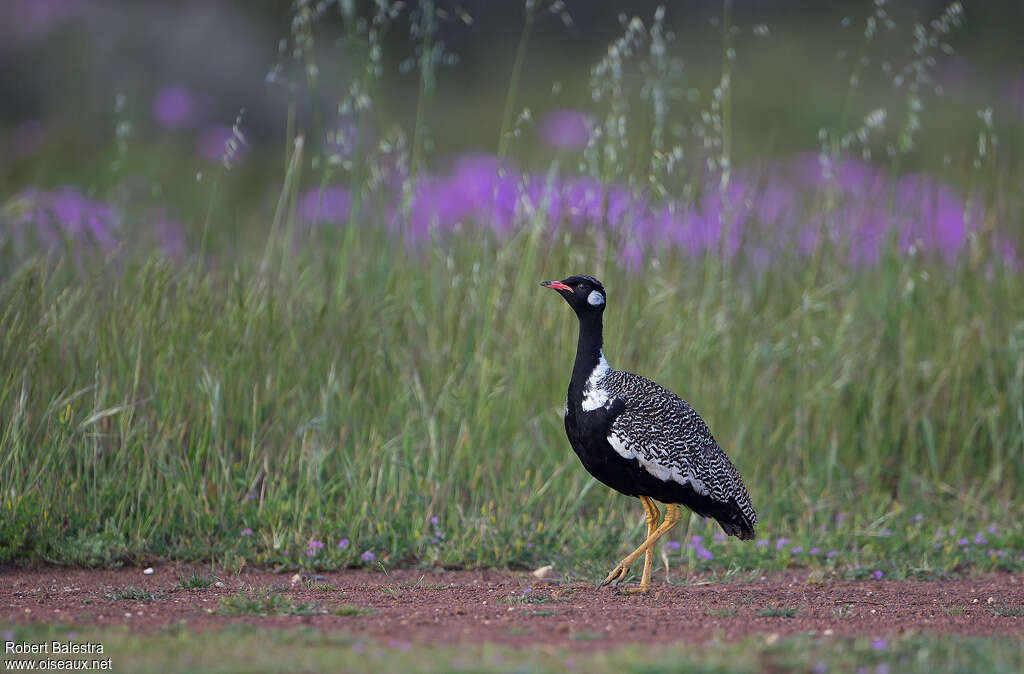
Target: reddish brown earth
x=474, y=606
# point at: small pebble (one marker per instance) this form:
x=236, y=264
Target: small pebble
x=149, y=571
x=218, y=584
x=544, y=571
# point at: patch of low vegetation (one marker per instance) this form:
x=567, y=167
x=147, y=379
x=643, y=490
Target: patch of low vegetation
x=132, y=594
x=396, y=589
x=195, y=580
x=263, y=601
x=350, y=610
x=727, y=612
x=954, y=610
x=587, y=636
x=778, y=612
x=317, y=585
x=528, y=596
x=1009, y=611
x=843, y=611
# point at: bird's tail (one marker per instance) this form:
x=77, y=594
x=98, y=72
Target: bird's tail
x=734, y=522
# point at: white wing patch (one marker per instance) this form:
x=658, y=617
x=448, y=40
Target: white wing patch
x=594, y=396
x=619, y=446
x=664, y=473
x=595, y=298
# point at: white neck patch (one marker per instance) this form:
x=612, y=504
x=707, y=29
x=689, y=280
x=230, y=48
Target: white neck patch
x=594, y=396
x=595, y=298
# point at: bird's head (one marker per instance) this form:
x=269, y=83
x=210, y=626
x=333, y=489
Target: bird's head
x=585, y=294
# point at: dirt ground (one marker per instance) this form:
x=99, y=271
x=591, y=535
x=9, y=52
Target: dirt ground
x=417, y=607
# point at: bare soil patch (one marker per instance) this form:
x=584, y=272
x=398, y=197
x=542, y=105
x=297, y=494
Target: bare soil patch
x=431, y=607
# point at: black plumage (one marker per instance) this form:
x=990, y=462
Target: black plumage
x=640, y=438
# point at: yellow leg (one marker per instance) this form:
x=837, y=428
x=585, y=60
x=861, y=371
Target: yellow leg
x=653, y=515
x=672, y=517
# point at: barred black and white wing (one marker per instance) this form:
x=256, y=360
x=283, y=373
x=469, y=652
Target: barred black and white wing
x=673, y=444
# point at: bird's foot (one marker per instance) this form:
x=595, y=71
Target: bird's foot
x=618, y=574
x=642, y=589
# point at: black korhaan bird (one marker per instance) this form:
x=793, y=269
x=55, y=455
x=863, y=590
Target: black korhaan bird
x=643, y=440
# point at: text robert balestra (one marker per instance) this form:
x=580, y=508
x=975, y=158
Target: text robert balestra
x=52, y=648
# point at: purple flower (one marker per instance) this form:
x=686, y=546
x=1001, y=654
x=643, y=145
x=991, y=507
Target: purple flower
x=781, y=543
x=310, y=552
x=433, y=520
x=314, y=544
x=719, y=536
x=672, y=545
x=979, y=539
x=367, y=556
x=343, y=543
x=696, y=540
x=170, y=236
x=820, y=668
x=887, y=532
x=917, y=518
x=250, y=496
x=814, y=551
x=65, y=211
x=879, y=644
x=876, y=574
x=247, y=532
x=831, y=553
x=327, y=205
x=993, y=529
x=704, y=553
x=952, y=532
x=797, y=549
x=218, y=143
x=566, y=129
x=174, y=107
x=527, y=591
x=762, y=542
x=529, y=545
x=962, y=541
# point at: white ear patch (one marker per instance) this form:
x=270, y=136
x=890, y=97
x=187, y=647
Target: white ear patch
x=595, y=298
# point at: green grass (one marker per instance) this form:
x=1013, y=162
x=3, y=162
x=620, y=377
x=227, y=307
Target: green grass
x=132, y=594
x=778, y=612
x=377, y=395
x=349, y=610
x=1009, y=611
x=263, y=601
x=252, y=649
x=195, y=580
x=728, y=612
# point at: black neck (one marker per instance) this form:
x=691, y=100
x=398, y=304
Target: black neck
x=588, y=349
